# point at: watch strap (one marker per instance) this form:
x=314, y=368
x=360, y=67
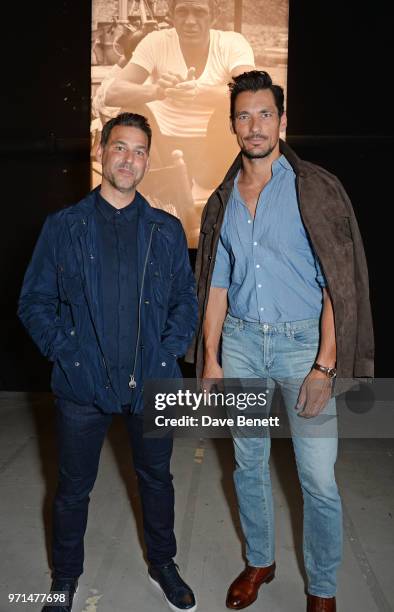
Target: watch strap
x=329, y=372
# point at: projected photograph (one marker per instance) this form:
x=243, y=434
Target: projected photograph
x=171, y=60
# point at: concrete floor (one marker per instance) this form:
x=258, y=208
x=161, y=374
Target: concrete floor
x=207, y=527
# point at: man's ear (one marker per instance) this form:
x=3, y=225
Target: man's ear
x=231, y=126
x=99, y=153
x=283, y=122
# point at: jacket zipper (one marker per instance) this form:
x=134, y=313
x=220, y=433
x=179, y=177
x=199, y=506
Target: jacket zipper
x=133, y=382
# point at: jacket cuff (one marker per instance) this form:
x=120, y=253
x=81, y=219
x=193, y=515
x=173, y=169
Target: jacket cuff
x=364, y=368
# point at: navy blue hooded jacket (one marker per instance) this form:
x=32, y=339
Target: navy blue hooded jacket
x=59, y=302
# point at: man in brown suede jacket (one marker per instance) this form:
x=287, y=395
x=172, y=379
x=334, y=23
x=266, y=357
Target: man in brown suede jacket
x=283, y=297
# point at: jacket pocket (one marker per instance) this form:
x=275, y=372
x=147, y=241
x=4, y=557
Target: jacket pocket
x=168, y=362
x=160, y=281
x=71, y=289
x=72, y=378
x=161, y=364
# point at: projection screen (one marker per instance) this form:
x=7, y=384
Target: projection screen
x=135, y=43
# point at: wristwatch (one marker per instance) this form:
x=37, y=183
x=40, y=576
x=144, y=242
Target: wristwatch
x=329, y=372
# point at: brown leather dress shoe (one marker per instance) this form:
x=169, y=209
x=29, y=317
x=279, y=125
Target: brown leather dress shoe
x=320, y=604
x=243, y=591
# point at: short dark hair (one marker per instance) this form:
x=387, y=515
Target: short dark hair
x=129, y=120
x=254, y=81
x=172, y=3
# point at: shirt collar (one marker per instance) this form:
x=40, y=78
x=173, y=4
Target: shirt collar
x=236, y=195
x=125, y=214
x=279, y=165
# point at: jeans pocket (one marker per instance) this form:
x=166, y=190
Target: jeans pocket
x=307, y=337
x=230, y=326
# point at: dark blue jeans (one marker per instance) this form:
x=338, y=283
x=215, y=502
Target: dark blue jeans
x=80, y=433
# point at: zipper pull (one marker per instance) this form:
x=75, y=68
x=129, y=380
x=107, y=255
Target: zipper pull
x=132, y=382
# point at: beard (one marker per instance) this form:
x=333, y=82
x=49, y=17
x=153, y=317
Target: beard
x=124, y=185
x=257, y=154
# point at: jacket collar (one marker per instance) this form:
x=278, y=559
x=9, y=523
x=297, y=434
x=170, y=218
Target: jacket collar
x=84, y=208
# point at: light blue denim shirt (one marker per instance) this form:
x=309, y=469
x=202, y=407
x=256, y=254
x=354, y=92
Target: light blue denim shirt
x=267, y=263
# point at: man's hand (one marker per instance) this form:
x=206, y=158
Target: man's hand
x=169, y=79
x=314, y=394
x=177, y=88
x=183, y=92
x=212, y=372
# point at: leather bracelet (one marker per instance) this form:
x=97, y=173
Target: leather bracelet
x=329, y=372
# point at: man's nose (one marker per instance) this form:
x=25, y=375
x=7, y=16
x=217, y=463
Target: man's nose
x=255, y=124
x=129, y=157
x=190, y=18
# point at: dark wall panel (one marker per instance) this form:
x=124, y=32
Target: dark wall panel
x=340, y=57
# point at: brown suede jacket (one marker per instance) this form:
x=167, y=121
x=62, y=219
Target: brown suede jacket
x=329, y=219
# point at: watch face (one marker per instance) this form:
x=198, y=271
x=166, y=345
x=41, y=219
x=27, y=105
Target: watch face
x=332, y=372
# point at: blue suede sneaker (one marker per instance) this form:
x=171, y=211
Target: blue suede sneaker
x=69, y=588
x=177, y=593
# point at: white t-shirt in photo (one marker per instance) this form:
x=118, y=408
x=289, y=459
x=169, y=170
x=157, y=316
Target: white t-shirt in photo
x=160, y=52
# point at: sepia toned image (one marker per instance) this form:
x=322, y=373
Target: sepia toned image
x=171, y=61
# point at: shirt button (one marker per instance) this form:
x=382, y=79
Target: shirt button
x=72, y=332
x=249, y=220
x=163, y=363
x=255, y=244
x=261, y=308
x=77, y=364
x=259, y=286
x=118, y=212
x=265, y=327
x=258, y=266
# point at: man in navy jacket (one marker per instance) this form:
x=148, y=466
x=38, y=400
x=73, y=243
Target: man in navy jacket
x=109, y=297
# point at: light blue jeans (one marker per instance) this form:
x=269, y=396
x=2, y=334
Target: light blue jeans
x=283, y=354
